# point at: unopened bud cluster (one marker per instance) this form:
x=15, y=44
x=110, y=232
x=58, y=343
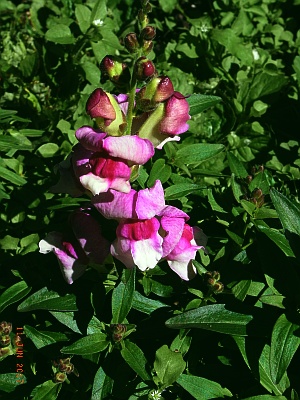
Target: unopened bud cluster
x=212, y=279
x=256, y=196
x=64, y=367
x=118, y=331
x=5, y=341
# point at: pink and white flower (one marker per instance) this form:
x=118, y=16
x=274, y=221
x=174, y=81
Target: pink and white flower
x=104, y=162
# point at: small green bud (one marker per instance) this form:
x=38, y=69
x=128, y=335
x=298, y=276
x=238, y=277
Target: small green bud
x=5, y=340
x=5, y=328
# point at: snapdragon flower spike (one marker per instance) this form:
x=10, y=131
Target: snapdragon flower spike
x=105, y=109
x=104, y=162
x=73, y=257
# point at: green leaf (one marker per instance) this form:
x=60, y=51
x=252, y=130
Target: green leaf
x=179, y=190
x=278, y=238
x=201, y=388
x=99, y=11
x=288, y=212
x=122, y=297
x=181, y=344
x=236, y=166
x=273, y=300
x=159, y=171
x=42, y=339
x=135, y=358
x=146, y=305
x=196, y=153
x=18, y=142
x=265, y=374
x=214, y=205
x=48, y=150
x=8, y=382
x=12, y=177
x=102, y=386
x=168, y=365
x=214, y=318
x=90, y=344
x=266, y=397
x=45, y=299
x=68, y=319
x=200, y=102
x=60, y=34
x=284, y=345
x=13, y=294
x=47, y=391
x=83, y=15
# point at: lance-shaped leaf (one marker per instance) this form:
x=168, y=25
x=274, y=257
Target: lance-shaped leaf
x=284, y=344
x=13, y=294
x=45, y=299
x=200, y=102
x=219, y=319
x=122, y=297
x=288, y=211
x=201, y=388
x=135, y=358
x=102, y=386
x=196, y=153
x=90, y=344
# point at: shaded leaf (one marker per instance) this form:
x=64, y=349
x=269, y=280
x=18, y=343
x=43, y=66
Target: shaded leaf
x=13, y=294
x=201, y=388
x=90, y=344
x=135, y=358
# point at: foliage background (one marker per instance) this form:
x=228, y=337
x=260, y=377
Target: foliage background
x=247, y=53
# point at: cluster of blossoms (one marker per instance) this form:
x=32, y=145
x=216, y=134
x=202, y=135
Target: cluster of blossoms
x=105, y=162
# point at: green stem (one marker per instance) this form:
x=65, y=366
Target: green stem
x=131, y=98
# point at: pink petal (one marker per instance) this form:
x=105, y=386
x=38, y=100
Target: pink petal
x=89, y=138
x=116, y=205
x=130, y=148
x=184, y=269
x=176, y=115
x=150, y=202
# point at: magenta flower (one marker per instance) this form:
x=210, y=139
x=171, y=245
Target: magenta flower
x=103, y=162
x=88, y=247
x=149, y=231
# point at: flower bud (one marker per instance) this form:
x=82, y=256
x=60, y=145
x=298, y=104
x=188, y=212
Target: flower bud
x=147, y=46
x=5, y=351
x=157, y=90
x=142, y=16
x=118, y=331
x=113, y=69
x=218, y=287
x=131, y=43
x=60, y=377
x=148, y=33
x=5, y=328
x=5, y=340
x=144, y=69
x=105, y=109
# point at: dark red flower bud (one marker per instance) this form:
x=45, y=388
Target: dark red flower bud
x=144, y=69
x=131, y=42
x=112, y=69
x=148, y=33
